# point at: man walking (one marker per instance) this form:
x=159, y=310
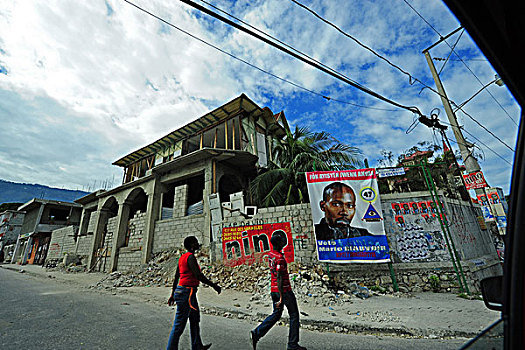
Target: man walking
x=282, y=294
x=184, y=294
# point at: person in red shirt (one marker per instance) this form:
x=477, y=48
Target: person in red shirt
x=282, y=294
x=184, y=294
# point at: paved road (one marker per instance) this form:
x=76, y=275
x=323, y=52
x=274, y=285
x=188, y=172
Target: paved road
x=38, y=313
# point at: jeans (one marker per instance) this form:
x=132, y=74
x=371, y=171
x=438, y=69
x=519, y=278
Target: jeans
x=183, y=297
x=293, y=311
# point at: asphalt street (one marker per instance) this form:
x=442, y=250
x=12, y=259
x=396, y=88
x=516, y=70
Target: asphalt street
x=42, y=313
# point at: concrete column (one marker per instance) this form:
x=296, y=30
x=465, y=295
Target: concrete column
x=15, y=252
x=102, y=219
x=119, y=236
x=26, y=251
x=208, y=188
x=152, y=213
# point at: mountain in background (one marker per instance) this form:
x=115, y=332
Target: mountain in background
x=22, y=192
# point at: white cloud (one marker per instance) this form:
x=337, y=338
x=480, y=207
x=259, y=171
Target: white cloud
x=119, y=79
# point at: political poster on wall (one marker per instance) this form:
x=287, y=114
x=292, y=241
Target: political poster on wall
x=250, y=244
x=475, y=180
x=347, y=224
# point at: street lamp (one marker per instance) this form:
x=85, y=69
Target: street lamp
x=497, y=80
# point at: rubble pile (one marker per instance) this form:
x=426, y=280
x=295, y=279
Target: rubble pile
x=311, y=284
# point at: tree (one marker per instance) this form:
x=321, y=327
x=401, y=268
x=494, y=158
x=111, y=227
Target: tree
x=284, y=182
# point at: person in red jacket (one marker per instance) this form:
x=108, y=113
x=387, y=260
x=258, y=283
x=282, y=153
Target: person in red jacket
x=282, y=294
x=184, y=294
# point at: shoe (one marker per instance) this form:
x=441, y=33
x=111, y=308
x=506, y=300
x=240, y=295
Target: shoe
x=205, y=347
x=254, y=339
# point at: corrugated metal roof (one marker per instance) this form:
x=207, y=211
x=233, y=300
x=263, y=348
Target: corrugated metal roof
x=223, y=112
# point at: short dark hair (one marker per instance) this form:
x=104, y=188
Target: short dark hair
x=188, y=241
x=277, y=240
x=335, y=186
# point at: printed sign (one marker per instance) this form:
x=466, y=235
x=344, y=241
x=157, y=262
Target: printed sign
x=388, y=172
x=250, y=244
x=347, y=225
x=475, y=180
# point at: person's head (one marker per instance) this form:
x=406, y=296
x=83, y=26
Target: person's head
x=423, y=206
x=277, y=240
x=191, y=244
x=338, y=204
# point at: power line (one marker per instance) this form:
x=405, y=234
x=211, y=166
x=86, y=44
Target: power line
x=448, y=57
x=460, y=59
x=412, y=126
x=410, y=76
x=329, y=98
x=475, y=138
x=331, y=72
x=487, y=130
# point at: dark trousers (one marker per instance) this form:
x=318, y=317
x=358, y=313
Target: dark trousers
x=187, y=308
x=293, y=311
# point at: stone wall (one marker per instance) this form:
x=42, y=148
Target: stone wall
x=418, y=247
x=62, y=242
x=180, y=201
x=169, y=234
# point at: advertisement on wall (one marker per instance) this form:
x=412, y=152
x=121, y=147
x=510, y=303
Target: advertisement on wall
x=346, y=211
x=475, y=180
x=250, y=244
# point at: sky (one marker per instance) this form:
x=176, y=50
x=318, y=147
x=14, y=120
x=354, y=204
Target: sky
x=83, y=83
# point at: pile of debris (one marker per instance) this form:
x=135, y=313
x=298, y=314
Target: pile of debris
x=310, y=283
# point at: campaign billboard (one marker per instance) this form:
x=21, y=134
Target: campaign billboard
x=251, y=243
x=346, y=212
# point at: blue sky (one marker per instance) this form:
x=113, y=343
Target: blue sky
x=84, y=83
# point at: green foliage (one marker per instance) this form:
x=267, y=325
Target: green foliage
x=284, y=182
x=435, y=283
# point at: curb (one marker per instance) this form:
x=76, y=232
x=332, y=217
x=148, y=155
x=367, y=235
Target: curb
x=308, y=323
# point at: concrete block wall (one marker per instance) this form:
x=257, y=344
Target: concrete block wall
x=169, y=234
x=92, y=222
x=136, y=228
x=129, y=258
x=62, y=242
x=300, y=218
x=84, y=245
x=180, y=201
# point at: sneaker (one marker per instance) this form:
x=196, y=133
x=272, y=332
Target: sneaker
x=205, y=347
x=254, y=339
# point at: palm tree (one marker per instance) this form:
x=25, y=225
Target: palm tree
x=303, y=150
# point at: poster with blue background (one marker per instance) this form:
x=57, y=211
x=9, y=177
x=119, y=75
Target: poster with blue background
x=347, y=226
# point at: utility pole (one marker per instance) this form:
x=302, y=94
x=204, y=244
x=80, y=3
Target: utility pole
x=471, y=163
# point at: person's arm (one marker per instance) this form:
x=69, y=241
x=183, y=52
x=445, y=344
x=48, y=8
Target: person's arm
x=194, y=267
x=171, y=300
x=280, y=287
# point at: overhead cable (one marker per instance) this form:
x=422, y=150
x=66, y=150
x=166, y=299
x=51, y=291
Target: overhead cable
x=329, y=98
x=410, y=76
x=481, y=142
x=331, y=72
x=460, y=59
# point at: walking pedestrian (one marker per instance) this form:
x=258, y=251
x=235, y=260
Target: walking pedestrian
x=184, y=294
x=282, y=294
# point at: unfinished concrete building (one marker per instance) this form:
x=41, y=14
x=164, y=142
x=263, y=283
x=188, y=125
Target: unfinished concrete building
x=167, y=185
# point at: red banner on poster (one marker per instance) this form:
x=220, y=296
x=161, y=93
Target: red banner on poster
x=250, y=244
x=475, y=180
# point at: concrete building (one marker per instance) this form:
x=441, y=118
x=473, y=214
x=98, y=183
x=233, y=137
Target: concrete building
x=41, y=218
x=10, y=225
x=167, y=185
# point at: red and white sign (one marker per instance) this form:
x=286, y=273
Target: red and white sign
x=475, y=180
x=249, y=244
